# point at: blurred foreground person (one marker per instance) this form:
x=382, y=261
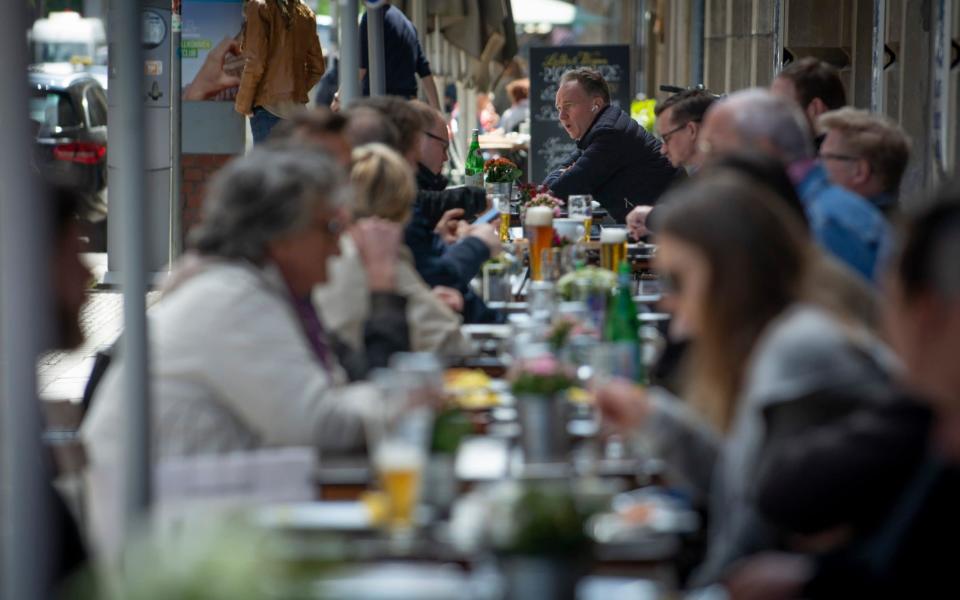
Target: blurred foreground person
x=908, y=555
x=842, y=222
x=239, y=358
x=384, y=188
x=759, y=350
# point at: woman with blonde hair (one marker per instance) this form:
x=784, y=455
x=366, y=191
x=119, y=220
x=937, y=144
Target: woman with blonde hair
x=385, y=188
x=766, y=362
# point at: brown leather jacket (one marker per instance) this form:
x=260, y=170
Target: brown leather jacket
x=283, y=62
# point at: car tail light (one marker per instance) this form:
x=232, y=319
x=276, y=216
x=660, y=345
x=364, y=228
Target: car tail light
x=85, y=153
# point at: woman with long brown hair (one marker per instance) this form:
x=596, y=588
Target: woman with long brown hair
x=735, y=262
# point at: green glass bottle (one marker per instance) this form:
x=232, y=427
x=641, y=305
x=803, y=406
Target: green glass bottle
x=622, y=329
x=473, y=169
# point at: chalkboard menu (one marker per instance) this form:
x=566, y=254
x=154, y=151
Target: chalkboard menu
x=549, y=143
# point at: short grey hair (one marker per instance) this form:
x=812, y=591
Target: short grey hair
x=760, y=115
x=265, y=196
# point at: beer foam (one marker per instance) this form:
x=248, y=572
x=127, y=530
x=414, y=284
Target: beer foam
x=539, y=216
x=399, y=455
x=611, y=235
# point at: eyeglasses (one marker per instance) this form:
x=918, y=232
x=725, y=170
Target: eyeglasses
x=665, y=138
x=443, y=142
x=832, y=156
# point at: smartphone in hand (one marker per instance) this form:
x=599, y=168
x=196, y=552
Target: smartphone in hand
x=488, y=216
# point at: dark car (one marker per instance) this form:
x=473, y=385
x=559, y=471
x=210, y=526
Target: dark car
x=69, y=114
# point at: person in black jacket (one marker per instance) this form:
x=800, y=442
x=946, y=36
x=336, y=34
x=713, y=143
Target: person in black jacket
x=616, y=161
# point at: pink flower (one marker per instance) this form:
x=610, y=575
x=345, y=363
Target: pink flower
x=543, y=365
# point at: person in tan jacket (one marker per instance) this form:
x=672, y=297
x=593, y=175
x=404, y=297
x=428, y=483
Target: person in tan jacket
x=283, y=62
x=384, y=188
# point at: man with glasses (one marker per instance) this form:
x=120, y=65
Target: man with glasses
x=678, y=127
x=866, y=154
x=616, y=160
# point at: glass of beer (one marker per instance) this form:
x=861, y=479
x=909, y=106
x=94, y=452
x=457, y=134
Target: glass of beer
x=398, y=434
x=539, y=225
x=502, y=202
x=613, y=247
x=581, y=207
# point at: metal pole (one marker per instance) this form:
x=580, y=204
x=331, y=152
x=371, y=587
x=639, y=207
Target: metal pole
x=129, y=148
x=940, y=92
x=377, y=72
x=779, y=24
x=24, y=241
x=697, y=43
x=176, y=144
x=878, y=87
x=349, y=52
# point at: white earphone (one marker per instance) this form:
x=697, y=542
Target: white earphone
x=594, y=109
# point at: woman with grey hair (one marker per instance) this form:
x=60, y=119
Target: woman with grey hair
x=239, y=358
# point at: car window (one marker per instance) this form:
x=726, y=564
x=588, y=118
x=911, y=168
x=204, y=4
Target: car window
x=96, y=106
x=53, y=109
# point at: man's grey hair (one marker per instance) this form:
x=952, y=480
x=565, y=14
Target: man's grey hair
x=760, y=115
x=265, y=196
x=366, y=125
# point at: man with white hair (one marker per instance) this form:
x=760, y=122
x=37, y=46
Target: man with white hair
x=845, y=224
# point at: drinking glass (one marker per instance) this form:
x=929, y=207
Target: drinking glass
x=397, y=438
x=496, y=284
x=581, y=207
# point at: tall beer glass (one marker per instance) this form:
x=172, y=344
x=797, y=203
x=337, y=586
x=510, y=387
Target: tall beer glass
x=581, y=207
x=613, y=248
x=539, y=225
x=400, y=466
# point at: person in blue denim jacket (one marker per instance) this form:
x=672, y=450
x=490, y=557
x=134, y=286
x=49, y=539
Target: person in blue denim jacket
x=843, y=223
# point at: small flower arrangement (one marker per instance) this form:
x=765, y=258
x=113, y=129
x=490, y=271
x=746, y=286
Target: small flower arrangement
x=542, y=376
x=501, y=170
x=590, y=279
x=528, y=190
x=543, y=199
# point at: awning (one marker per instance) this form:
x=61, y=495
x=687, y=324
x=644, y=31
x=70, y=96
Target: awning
x=551, y=12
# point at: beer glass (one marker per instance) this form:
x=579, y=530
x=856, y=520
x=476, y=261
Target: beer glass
x=397, y=439
x=539, y=225
x=502, y=203
x=613, y=248
x=581, y=207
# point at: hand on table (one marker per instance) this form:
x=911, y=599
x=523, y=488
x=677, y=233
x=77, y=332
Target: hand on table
x=221, y=70
x=448, y=225
x=622, y=404
x=486, y=233
x=450, y=297
x=378, y=242
x=637, y=221
x=769, y=576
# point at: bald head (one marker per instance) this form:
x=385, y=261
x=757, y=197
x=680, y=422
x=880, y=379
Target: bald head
x=757, y=120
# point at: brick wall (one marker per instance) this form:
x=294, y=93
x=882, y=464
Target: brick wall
x=197, y=170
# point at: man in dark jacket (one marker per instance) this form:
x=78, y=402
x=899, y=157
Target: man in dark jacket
x=440, y=264
x=616, y=161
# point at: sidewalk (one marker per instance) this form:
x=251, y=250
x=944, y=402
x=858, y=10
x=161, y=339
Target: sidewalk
x=63, y=375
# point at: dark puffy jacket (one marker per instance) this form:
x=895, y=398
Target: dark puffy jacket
x=434, y=199
x=617, y=162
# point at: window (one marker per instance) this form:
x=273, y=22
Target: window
x=96, y=106
x=53, y=109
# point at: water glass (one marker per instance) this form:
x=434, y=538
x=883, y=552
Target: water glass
x=581, y=207
x=496, y=284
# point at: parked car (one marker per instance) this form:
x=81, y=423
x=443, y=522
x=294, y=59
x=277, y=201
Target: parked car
x=69, y=114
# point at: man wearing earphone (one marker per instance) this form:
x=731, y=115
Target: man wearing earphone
x=617, y=161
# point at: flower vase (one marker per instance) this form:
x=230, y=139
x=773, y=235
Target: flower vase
x=543, y=422
x=541, y=577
